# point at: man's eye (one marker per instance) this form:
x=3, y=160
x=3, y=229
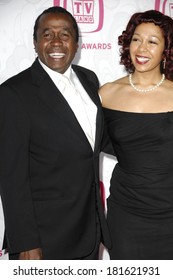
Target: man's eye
x=64, y=36
x=47, y=35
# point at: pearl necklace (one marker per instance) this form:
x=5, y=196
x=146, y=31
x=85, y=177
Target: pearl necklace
x=149, y=89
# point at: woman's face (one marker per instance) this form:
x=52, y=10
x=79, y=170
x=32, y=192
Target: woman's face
x=146, y=47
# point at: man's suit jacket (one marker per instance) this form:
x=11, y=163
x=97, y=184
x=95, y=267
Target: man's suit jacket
x=48, y=170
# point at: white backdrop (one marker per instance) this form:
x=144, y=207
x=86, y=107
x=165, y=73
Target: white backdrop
x=100, y=23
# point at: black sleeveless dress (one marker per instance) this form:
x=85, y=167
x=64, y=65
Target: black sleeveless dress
x=140, y=205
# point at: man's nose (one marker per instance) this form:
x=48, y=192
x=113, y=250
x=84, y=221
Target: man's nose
x=56, y=39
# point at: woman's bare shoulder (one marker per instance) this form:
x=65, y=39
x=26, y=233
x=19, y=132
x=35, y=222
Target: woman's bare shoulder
x=112, y=87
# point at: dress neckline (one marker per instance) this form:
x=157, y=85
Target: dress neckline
x=137, y=113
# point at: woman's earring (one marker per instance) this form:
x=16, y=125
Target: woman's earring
x=164, y=63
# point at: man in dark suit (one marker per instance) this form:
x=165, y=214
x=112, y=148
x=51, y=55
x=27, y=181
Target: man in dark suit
x=50, y=135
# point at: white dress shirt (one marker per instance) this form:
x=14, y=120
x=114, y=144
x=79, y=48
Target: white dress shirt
x=78, y=99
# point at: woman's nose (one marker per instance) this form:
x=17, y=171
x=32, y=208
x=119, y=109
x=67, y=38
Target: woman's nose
x=143, y=46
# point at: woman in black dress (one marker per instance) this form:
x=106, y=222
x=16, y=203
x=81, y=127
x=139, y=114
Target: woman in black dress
x=138, y=112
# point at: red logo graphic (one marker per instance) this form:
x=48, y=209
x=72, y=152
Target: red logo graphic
x=83, y=11
x=89, y=14
x=166, y=7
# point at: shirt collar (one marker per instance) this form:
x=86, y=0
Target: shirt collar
x=55, y=75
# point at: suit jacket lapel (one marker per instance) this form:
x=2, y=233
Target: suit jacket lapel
x=93, y=93
x=49, y=93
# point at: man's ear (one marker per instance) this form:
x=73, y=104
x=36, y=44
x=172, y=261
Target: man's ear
x=35, y=45
x=77, y=46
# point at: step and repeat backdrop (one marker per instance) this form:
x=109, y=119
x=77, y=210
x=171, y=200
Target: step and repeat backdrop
x=100, y=23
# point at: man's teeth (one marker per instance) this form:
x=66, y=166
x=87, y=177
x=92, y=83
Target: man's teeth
x=142, y=59
x=57, y=55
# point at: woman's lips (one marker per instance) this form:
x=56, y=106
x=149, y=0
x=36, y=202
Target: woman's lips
x=142, y=59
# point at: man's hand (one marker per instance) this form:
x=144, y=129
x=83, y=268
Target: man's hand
x=35, y=254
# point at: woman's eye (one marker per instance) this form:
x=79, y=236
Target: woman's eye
x=152, y=42
x=135, y=39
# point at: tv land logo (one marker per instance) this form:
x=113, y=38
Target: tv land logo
x=89, y=14
x=164, y=6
